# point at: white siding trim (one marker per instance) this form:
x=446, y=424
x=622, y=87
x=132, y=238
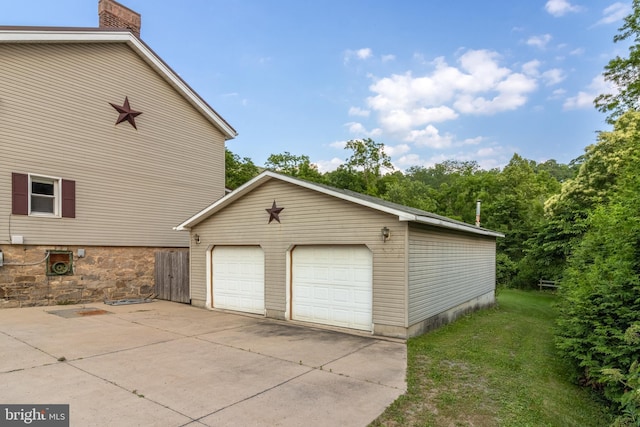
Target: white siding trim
x=209, y=278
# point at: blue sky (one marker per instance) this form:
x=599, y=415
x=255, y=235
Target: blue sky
x=464, y=80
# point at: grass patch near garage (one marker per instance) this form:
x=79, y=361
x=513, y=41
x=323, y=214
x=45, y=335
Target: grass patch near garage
x=496, y=367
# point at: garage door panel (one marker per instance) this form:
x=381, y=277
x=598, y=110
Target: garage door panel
x=341, y=316
x=321, y=313
x=338, y=292
x=320, y=294
x=362, y=298
x=341, y=274
x=238, y=278
x=320, y=274
x=341, y=296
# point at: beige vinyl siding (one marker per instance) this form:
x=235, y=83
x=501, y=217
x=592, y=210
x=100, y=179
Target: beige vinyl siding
x=446, y=270
x=132, y=187
x=308, y=218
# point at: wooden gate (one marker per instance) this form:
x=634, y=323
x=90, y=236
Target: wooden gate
x=172, y=276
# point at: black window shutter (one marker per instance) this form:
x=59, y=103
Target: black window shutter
x=68, y=198
x=19, y=194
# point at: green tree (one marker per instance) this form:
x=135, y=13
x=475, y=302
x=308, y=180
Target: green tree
x=455, y=186
x=600, y=298
x=623, y=73
x=523, y=192
x=408, y=192
x=559, y=171
x=444, y=172
x=294, y=165
x=595, y=182
x=518, y=211
x=238, y=170
x=346, y=178
x=369, y=160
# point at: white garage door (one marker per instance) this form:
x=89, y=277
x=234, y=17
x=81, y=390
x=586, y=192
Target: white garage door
x=333, y=285
x=238, y=278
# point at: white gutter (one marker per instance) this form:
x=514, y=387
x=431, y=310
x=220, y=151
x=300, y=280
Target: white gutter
x=455, y=226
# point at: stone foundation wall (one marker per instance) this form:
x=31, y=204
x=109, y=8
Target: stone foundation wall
x=103, y=273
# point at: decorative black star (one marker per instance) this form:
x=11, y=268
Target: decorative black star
x=274, y=212
x=126, y=113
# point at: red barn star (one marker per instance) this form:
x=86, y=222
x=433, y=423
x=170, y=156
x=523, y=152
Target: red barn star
x=274, y=212
x=126, y=113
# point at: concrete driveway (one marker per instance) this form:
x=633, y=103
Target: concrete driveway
x=169, y=364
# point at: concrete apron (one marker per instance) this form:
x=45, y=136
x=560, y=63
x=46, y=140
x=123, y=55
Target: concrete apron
x=169, y=364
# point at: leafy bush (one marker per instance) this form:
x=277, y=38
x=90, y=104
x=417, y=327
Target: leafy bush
x=630, y=399
x=601, y=297
x=601, y=286
x=505, y=270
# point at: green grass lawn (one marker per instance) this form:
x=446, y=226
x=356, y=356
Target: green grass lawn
x=496, y=367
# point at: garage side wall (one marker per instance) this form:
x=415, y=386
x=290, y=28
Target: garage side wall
x=308, y=218
x=449, y=274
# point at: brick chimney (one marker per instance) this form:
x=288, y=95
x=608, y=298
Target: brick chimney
x=114, y=15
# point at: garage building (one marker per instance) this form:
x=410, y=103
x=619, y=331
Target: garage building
x=295, y=250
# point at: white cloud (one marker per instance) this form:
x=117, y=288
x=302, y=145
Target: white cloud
x=387, y=58
x=511, y=91
x=558, y=94
x=487, y=152
x=580, y=101
x=399, y=120
x=473, y=141
x=328, y=165
x=361, y=54
x=409, y=160
x=396, y=150
x=614, y=13
x=577, y=52
x=553, y=76
x=358, y=129
x=338, y=144
x=364, y=53
x=423, y=99
x=560, y=7
x=584, y=99
x=531, y=68
x=408, y=106
x=539, y=41
x=355, y=111
x=429, y=137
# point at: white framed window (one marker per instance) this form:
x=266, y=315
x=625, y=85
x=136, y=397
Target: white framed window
x=44, y=195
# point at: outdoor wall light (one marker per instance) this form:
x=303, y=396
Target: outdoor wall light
x=386, y=233
x=196, y=238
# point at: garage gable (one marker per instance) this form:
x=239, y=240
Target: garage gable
x=403, y=213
